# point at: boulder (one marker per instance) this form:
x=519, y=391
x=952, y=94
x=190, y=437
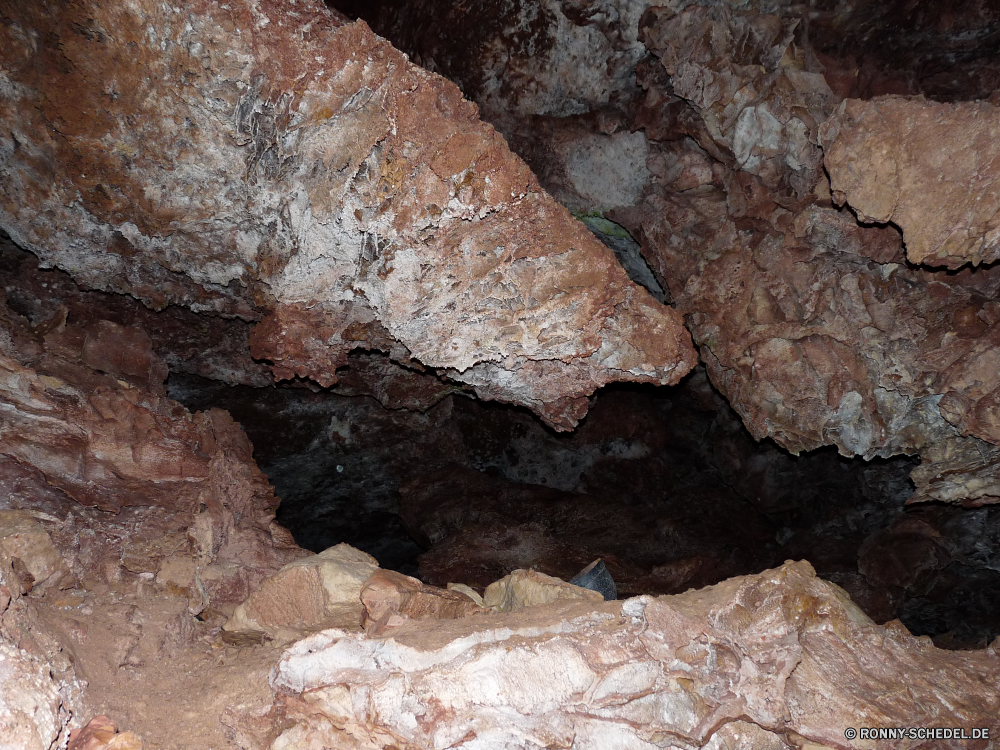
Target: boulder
x=928, y=167
x=529, y=588
x=35, y=710
x=316, y=592
x=392, y=599
x=35, y=560
x=764, y=661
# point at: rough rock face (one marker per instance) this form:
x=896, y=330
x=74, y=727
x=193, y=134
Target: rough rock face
x=514, y=57
x=307, y=595
x=84, y=414
x=34, y=713
x=392, y=599
x=782, y=650
x=345, y=196
x=926, y=167
x=736, y=216
x=808, y=323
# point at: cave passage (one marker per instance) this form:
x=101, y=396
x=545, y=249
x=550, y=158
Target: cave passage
x=664, y=484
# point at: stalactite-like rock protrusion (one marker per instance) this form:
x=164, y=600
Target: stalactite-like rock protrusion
x=275, y=163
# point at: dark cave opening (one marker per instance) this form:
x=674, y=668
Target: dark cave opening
x=664, y=484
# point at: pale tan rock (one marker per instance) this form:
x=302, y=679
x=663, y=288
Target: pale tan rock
x=33, y=713
x=468, y=591
x=928, y=167
x=392, y=599
x=765, y=662
x=529, y=588
x=25, y=539
x=321, y=591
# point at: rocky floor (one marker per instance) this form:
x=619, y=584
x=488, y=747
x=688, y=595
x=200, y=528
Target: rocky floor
x=154, y=667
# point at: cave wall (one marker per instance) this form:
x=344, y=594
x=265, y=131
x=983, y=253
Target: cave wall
x=804, y=236
x=229, y=185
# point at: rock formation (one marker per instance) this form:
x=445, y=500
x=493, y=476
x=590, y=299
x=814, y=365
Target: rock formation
x=777, y=660
x=335, y=192
x=230, y=195
x=928, y=168
x=810, y=323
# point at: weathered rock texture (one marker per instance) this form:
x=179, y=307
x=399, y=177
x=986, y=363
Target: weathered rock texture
x=518, y=58
x=809, y=324
x=85, y=416
x=928, y=168
x=529, y=588
x=101, y=733
x=307, y=595
x=34, y=712
x=272, y=162
x=392, y=599
x=782, y=651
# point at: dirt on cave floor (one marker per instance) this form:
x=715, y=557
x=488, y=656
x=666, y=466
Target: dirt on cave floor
x=155, y=669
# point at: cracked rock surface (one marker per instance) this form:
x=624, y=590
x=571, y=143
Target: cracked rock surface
x=275, y=163
x=924, y=166
x=772, y=657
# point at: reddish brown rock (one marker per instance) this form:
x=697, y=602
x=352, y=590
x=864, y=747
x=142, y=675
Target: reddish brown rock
x=107, y=443
x=353, y=201
x=808, y=323
x=926, y=167
x=759, y=97
x=101, y=733
x=392, y=599
x=319, y=591
x=205, y=345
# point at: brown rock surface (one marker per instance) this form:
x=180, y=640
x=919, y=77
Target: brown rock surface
x=758, y=101
x=392, y=599
x=782, y=649
x=307, y=595
x=352, y=201
x=34, y=558
x=35, y=709
x=112, y=444
x=926, y=167
x=101, y=733
x=808, y=323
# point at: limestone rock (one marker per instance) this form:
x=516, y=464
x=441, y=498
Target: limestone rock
x=545, y=58
x=342, y=196
x=392, y=599
x=759, y=103
x=468, y=591
x=23, y=538
x=34, y=714
x=101, y=733
x=529, y=588
x=782, y=650
x=316, y=592
x=925, y=166
x=102, y=441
